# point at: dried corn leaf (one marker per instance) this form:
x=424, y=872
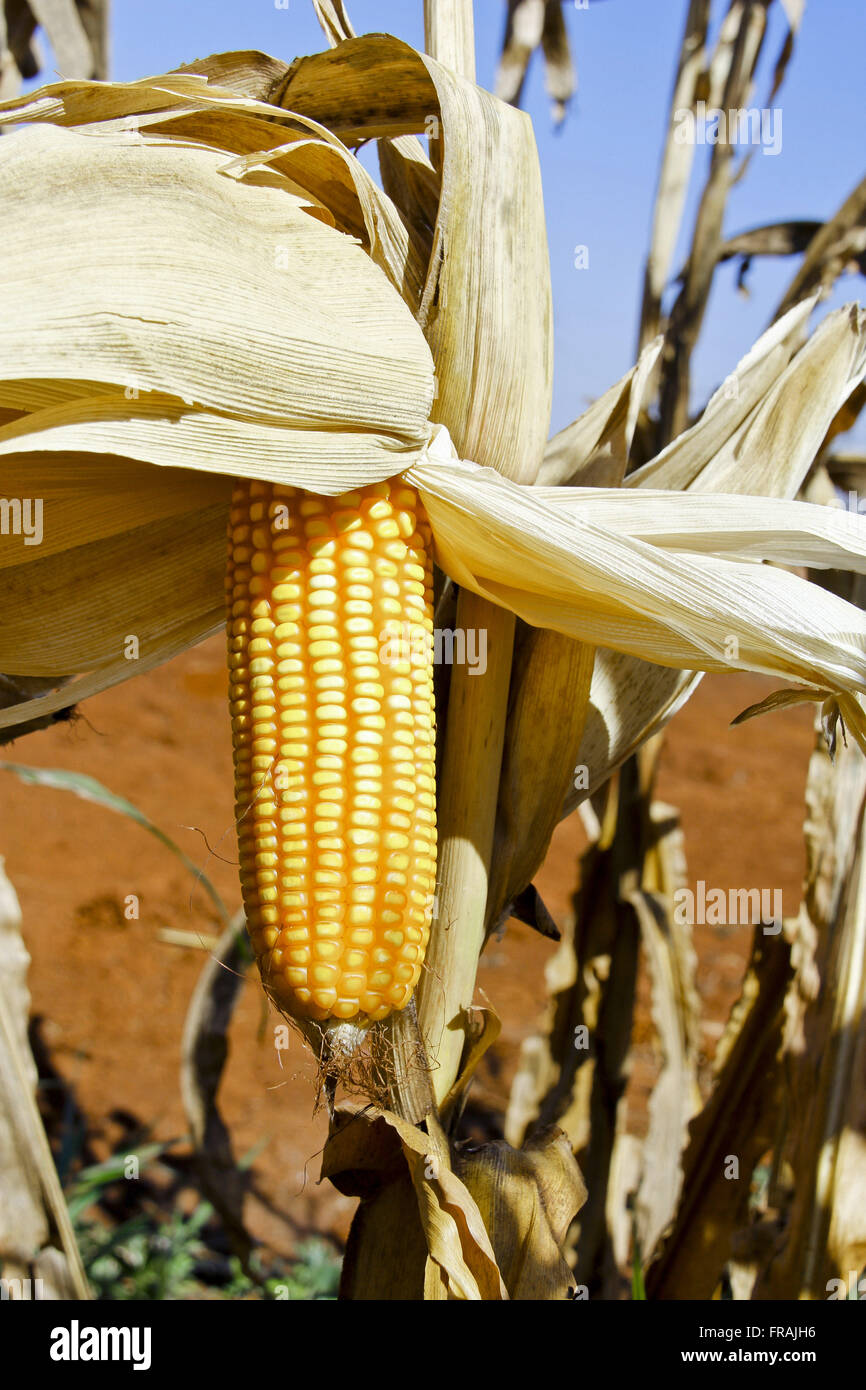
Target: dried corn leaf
x=16, y=691
x=218, y=243
x=784, y=532
x=775, y=390
x=594, y=450
x=681, y=463
x=824, y=1236
x=484, y=1028
x=676, y=1096
x=460, y=1260
x=669, y=606
x=114, y=671
x=676, y=169
x=527, y=1199
x=630, y=701
x=216, y=103
x=76, y=30
x=69, y=41
x=92, y=497
x=172, y=569
x=839, y=241
x=772, y=451
x=33, y=1200
x=486, y=307
x=776, y=239
x=560, y=76
x=523, y=27
x=730, y=1134
x=550, y=685
x=529, y=25
x=731, y=74
x=334, y=20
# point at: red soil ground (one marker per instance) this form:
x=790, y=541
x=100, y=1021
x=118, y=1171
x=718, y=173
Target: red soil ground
x=109, y=995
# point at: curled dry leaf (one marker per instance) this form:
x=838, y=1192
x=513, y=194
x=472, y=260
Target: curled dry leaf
x=33, y=1201
x=368, y=1155
x=533, y=24
x=494, y=1219
x=735, y=447
x=528, y=1199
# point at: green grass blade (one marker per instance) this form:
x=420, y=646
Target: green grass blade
x=89, y=789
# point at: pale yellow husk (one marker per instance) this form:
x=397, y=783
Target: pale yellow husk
x=270, y=343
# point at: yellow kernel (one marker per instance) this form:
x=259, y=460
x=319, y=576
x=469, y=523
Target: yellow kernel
x=331, y=861
x=330, y=713
x=325, y=951
x=363, y=838
x=328, y=931
x=353, y=985
x=323, y=564
x=325, y=998
x=323, y=547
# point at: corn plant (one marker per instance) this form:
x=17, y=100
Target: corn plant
x=216, y=320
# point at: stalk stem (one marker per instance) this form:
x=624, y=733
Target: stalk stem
x=474, y=737
x=449, y=34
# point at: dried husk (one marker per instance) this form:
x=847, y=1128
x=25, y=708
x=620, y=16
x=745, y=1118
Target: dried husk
x=33, y=1214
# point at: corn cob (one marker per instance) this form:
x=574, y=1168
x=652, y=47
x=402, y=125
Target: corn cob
x=331, y=688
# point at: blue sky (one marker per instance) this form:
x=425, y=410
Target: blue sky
x=599, y=171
